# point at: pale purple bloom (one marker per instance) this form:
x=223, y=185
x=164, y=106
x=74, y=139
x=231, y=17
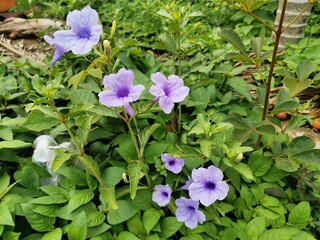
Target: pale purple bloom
x=187, y=185
x=207, y=186
x=120, y=90
x=168, y=91
x=162, y=195
x=171, y=163
x=84, y=33
x=188, y=212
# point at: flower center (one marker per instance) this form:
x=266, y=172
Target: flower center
x=165, y=194
x=171, y=162
x=210, y=185
x=84, y=33
x=166, y=91
x=190, y=208
x=122, y=92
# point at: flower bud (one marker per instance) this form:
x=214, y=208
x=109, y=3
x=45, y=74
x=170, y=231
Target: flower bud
x=106, y=46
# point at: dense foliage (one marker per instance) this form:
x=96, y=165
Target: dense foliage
x=160, y=130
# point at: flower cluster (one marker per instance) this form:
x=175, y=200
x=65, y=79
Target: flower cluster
x=205, y=186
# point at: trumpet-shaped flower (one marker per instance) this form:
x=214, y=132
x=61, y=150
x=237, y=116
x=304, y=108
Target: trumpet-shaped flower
x=120, y=90
x=168, y=91
x=188, y=212
x=207, y=185
x=162, y=195
x=84, y=33
x=171, y=163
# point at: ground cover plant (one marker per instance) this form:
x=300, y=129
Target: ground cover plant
x=143, y=124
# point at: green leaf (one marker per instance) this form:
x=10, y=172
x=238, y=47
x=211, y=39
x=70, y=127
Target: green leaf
x=76, y=79
x=311, y=157
x=255, y=227
x=37, y=221
x=84, y=130
x=134, y=172
x=14, y=144
x=169, y=226
x=257, y=45
x=47, y=210
x=240, y=86
x=294, y=86
x=78, y=96
x=56, y=234
x=300, y=144
x=299, y=216
x=146, y=134
x=244, y=170
x=169, y=43
x=304, y=69
x=111, y=176
x=9, y=156
x=10, y=235
x=287, y=165
x=28, y=177
x=74, y=175
x=78, y=198
x=150, y=218
x=303, y=235
x=135, y=225
x=266, y=129
x=4, y=183
x=94, y=232
x=284, y=233
x=37, y=121
x=232, y=37
x=257, y=4
x=165, y=14
x=95, y=72
x=5, y=216
x=48, y=200
x=125, y=211
x=6, y=133
x=61, y=156
x=124, y=235
x=77, y=230
x=274, y=174
x=259, y=164
x=95, y=219
x=287, y=106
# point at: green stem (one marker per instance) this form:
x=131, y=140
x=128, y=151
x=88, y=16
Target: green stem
x=272, y=66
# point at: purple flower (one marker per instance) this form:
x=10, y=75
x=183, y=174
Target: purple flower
x=187, y=185
x=188, y=212
x=207, y=186
x=167, y=92
x=120, y=90
x=171, y=163
x=84, y=33
x=162, y=195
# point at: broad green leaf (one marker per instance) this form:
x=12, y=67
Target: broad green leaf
x=74, y=175
x=142, y=200
x=95, y=219
x=192, y=236
x=257, y=4
x=244, y=170
x=95, y=72
x=125, y=211
x=240, y=86
x=10, y=235
x=54, y=190
x=266, y=129
x=78, y=96
x=150, y=218
x=299, y=216
x=84, y=130
x=146, y=134
x=47, y=210
x=28, y=177
x=257, y=45
x=287, y=165
x=37, y=121
x=274, y=174
x=76, y=79
x=165, y=14
x=77, y=230
x=135, y=225
x=111, y=176
x=127, y=150
x=311, y=157
x=232, y=37
x=300, y=144
x=255, y=227
x=134, y=172
x=259, y=164
x=9, y=156
x=287, y=106
x=284, y=233
x=303, y=235
x=124, y=235
x=37, y=84
x=56, y=234
x=78, y=198
x=5, y=216
x=48, y=200
x=304, y=69
x=37, y=221
x=99, y=231
x=294, y=86
x=6, y=133
x=169, y=43
x=61, y=156
x=14, y=144
x=169, y=226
